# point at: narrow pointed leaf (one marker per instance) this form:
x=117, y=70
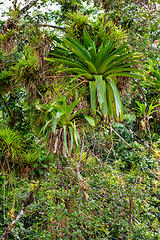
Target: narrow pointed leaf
x=81, y=54
x=108, y=48
x=54, y=125
x=66, y=62
x=120, y=70
x=78, y=113
x=46, y=125
x=65, y=138
x=71, y=107
x=91, y=67
x=99, y=56
x=117, y=99
x=132, y=75
x=77, y=76
x=104, y=64
x=119, y=60
x=78, y=45
x=76, y=135
x=105, y=104
x=71, y=134
x=89, y=44
x=47, y=133
x=100, y=85
x=110, y=100
x=92, y=85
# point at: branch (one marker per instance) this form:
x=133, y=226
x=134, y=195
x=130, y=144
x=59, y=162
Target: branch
x=52, y=26
x=132, y=132
x=58, y=76
x=135, y=152
x=25, y=203
x=121, y=208
x=26, y=8
x=126, y=212
x=122, y=139
x=6, y=105
x=76, y=86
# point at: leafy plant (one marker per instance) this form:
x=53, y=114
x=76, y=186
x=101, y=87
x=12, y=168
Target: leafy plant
x=78, y=23
x=152, y=82
x=141, y=109
x=10, y=146
x=4, y=79
x=99, y=66
x=102, y=26
x=60, y=119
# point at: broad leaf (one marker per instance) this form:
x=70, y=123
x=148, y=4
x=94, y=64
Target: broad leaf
x=54, y=125
x=90, y=120
x=65, y=138
x=92, y=85
x=100, y=85
x=117, y=101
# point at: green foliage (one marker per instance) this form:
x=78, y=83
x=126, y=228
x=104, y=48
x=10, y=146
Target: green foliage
x=6, y=36
x=5, y=77
x=78, y=23
x=26, y=68
x=92, y=179
x=15, y=109
x=141, y=109
x=100, y=66
x=9, y=138
x=141, y=22
x=102, y=26
x=10, y=145
x=17, y=151
x=61, y=118
x=153, y=81
x=96, y=206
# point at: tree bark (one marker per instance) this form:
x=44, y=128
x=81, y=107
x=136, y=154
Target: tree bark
x=26, y=202
x=26, y=8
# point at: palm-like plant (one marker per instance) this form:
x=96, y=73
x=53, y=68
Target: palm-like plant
x=63, y=122
x=100, y=66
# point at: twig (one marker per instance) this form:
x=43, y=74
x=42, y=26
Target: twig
x=134, y=152
x=26, y=8
x=59, y=76
x=119, y=208
x=141, y=36
x=122, y=139
x=112, y=142
x=39, y=140
x=153, y=174
x=26, y=202
x=52, y=26
x=125, y=212
x=76, y=86
x=130, y=210
x=94, y=156
x=132, y=132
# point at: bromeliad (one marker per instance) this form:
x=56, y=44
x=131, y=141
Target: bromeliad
x=99, y=66
x=63, y=122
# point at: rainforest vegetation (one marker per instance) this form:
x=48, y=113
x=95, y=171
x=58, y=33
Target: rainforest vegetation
x=80, y=120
